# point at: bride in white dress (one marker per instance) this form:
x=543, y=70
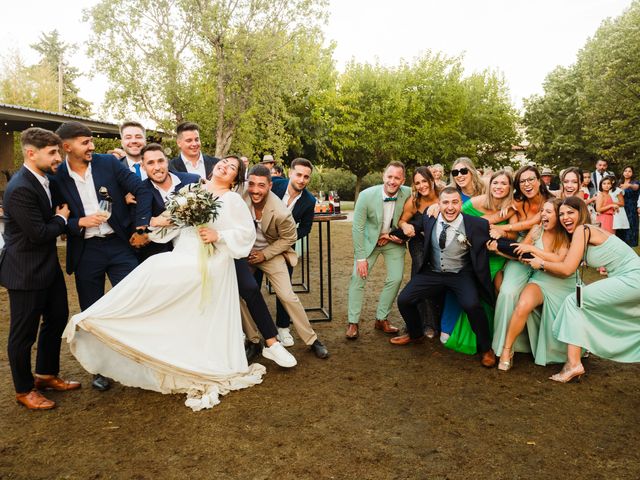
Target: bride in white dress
x=150, y=330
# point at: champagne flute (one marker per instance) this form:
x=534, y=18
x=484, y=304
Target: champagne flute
x=104, y=209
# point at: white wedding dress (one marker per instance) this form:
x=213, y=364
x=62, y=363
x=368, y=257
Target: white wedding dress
x=150, y=330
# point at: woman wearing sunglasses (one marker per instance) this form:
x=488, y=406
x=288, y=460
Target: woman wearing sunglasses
x=466, y=179
x=529, y=194
x=608, y=321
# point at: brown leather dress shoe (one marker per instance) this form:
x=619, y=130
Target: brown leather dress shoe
x=34, y=400
x=488, y=359
x=352, y=331
x=386, y=326
x=55, y=383
x=405, y=340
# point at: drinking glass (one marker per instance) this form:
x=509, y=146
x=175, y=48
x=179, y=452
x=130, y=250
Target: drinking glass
x=104, y=209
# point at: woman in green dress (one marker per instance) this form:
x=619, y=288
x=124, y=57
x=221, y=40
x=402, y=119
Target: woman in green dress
x=489, y=205
x=550, y=242
x=529, y=194
x=608, y=321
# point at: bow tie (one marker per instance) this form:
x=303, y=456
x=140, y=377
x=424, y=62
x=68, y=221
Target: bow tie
x=390, y=199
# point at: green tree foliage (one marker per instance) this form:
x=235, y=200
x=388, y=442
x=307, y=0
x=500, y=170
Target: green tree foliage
x=591, y=109
x=420, y=113
x=227, y=65
x=53, y=53
x=27, y=86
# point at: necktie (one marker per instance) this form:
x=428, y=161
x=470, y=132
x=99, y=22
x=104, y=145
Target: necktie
x=136, y=166
x=390, y=199
x=442, y=240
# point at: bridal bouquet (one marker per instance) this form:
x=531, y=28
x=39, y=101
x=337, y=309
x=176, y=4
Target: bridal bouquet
x=192, y=206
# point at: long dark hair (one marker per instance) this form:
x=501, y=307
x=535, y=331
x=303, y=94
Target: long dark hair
x=576, y=203
x=517, y=193
x=428, y=176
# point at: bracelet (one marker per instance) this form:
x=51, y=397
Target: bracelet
x=542, y=265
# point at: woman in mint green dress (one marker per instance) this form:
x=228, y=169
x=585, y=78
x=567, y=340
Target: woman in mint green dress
x=608, y=322
x=550, y=242
x=529, y=194
x=489, y=205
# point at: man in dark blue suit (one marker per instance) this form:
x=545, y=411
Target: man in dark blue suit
x=191, y=159
x=455, y=259
x=301, y=203
x=30, y=271
x=97, y=244
x=161, y=183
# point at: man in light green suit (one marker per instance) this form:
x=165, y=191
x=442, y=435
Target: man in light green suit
x=377, y=212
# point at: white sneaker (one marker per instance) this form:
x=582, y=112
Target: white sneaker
x=279, y=354
x=285, y=338
x=444, y=337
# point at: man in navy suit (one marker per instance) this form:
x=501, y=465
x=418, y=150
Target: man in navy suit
x=301, y=204
x=133, y=139
x=456, y=259
x=98, y=245
x=30, y=271
x=161, y=183
x=191, y=159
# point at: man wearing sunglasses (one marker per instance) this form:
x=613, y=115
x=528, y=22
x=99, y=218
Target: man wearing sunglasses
x=376, y=213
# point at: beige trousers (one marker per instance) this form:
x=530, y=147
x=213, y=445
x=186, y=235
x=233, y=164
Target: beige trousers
x=276, y=272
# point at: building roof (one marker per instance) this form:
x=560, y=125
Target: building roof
x=14, y=118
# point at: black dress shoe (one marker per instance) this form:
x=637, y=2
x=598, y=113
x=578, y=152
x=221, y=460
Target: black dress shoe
x=252, y=350
x=101, y=383
x=319, y=349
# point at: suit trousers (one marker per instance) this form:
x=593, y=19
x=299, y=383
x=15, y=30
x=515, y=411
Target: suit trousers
x=429, y=284
x=394, y=261
x=27, y=308
x=276, y=271
x=253, y=304
x=102, y=256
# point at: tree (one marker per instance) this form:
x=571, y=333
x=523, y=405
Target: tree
x=53, y=52
x=27, y=86
x=227, y=65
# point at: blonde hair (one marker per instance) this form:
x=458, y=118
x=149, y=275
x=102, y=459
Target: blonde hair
x=476, y=181
x=491, y=203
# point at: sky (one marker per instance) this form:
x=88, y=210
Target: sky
x=523, y=39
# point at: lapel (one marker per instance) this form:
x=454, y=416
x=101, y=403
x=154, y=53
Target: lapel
x=429, y=224
x=378, y=204
x=69, y=185
x=39, y=189
x=268, y=214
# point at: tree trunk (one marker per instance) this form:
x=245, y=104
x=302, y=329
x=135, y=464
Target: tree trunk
x=357, y=190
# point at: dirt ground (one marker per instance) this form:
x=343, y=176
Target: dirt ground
x=371, y=411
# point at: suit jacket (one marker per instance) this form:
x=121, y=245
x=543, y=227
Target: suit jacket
x=157, y=204
x=107, y=171
x=30, y=259
x=477, y=232
x=177, y=165
x=367, y=218
x=303, y=210
x=278, y=227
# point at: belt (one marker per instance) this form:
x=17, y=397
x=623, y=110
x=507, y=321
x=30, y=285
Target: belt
x=111, y=236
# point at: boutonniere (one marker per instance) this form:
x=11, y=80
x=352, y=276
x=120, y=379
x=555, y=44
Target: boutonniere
x=462, y=238
x=104, y=193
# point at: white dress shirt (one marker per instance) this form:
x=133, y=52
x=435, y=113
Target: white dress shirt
x=451, y=231
x=131, y=164
x=261, y=242
x=198, y=169
x=387, y=212
x=175, y=181
x=286, y=197
x=90, y=203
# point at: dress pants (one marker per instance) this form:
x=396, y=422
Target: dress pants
x=254, y=304
x=394, y=261
x=102, y=255
x=429, y=284
x=282, y=317
x=27, y=307
x=276, y=271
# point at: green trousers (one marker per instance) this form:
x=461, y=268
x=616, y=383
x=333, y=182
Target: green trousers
x=394, y=261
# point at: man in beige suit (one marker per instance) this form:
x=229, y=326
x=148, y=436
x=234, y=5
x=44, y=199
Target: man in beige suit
x=275, y=235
